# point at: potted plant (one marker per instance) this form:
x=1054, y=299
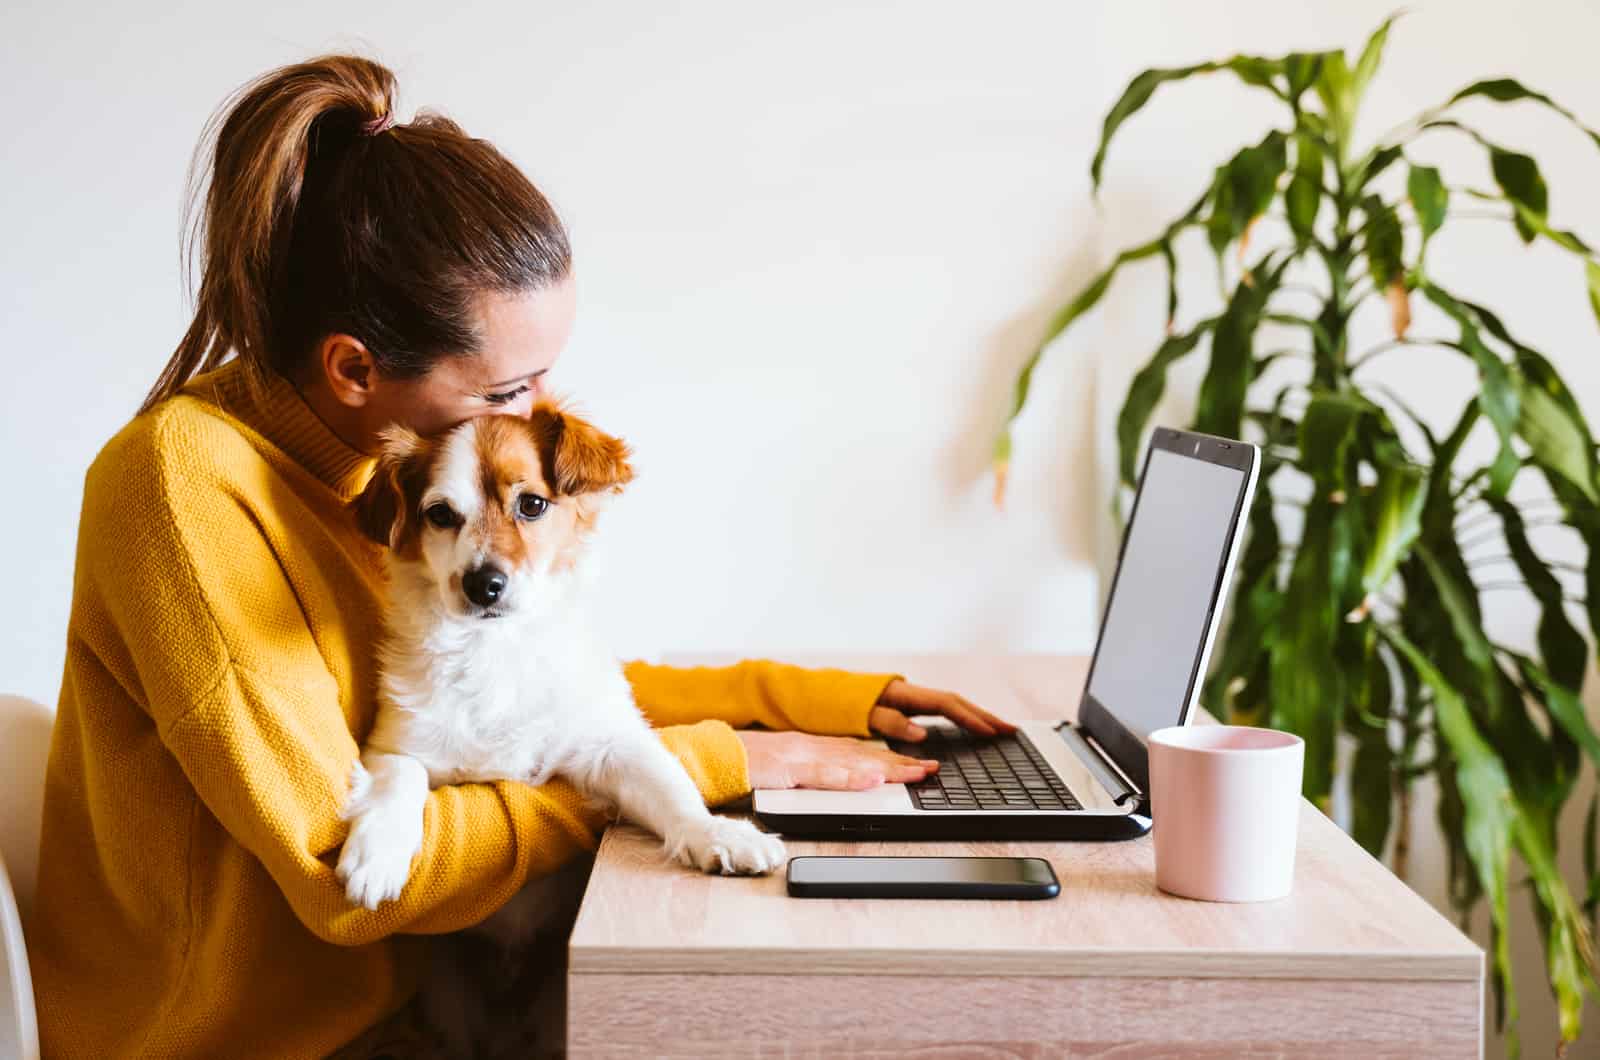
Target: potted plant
x=1367, y=618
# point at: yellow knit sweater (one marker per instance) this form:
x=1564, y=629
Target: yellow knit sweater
x=219, y=681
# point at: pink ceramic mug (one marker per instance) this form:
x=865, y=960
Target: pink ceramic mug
x=1225, y=800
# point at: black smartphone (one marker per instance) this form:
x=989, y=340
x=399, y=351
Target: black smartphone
x=881, y=877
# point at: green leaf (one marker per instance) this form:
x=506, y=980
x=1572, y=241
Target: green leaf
x=1519, y=178
x=1254, y=608
x=1084, y=301
x=1307, y=683
x=1321, y=342
x=1300, y=69
x=1465, y=656
x=1327, y=430
x=1523, y=188
x=1563, y=704
x=1506, y=90
x=1219, y=408
x=1497, y=395
x=1569, y=949
x=1562, y=647
x=1489, y=812
x=1523, y=216
x=1079, y=305
x=1334, y=89
x=1243, y=188
x=1371, y=56
x=1145, y=391
x=1580, y=510
x=1171, y=260
x=1397, y=505
x=1557, y=443
x=1455, y=595
x=1372, y=771
x=1385, y=243
x=1252, y=70
x=1304, y=194
x=1376, y=161
x=1591, y=275
x=1462, y=877
x=1559, y=448
x=1429, y=198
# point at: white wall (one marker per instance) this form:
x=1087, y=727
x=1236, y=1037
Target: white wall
x=814, y=242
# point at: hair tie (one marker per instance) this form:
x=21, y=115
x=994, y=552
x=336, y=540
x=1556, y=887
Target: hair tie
x=378, y=124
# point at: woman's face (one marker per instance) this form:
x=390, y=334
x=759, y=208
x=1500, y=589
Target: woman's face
x=523, y=332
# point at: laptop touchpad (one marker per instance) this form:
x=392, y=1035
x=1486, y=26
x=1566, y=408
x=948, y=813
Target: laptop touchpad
x=883, y=798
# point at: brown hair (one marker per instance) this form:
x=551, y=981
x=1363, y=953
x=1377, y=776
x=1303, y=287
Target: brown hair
x=322, y=217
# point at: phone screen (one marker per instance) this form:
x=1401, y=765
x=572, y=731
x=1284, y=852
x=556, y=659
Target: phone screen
x=868, y=870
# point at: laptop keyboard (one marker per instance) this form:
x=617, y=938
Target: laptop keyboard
x=984, y=773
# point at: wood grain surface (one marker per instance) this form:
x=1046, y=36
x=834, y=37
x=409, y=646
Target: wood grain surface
x=1351, y=963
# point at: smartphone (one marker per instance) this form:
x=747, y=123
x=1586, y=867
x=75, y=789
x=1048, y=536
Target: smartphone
x=882, y=877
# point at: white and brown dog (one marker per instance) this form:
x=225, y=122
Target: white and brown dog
x=491, y=668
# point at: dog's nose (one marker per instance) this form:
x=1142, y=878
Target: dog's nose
x=483, y=585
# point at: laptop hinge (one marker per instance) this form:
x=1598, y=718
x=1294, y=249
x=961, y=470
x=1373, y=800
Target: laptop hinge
x=1104, y=768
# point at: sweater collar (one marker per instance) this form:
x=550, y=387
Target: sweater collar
x=278, y=412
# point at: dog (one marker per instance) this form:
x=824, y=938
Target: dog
x=490, y=668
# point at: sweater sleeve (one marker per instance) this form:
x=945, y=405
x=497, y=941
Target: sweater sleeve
x=757, y=691
x=230, y=671
x=480, y=842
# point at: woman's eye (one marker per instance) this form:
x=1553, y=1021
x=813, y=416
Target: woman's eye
x=530, y=506
x=441, y=515
x=507, y=396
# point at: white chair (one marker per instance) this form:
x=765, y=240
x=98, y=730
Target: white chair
x=24, y=746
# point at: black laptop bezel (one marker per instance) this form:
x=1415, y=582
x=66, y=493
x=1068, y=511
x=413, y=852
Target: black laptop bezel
x=1125, y=747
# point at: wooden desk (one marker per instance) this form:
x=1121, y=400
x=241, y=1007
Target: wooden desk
x=668, y=963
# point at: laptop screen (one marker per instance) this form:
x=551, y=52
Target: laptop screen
x=1159, y=613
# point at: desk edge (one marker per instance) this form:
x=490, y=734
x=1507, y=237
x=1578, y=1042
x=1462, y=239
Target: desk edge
x=1160, y=964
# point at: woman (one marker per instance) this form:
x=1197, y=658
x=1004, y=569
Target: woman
x=219, y=674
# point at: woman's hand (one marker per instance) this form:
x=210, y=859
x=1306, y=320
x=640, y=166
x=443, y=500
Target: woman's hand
x=901, y=699
x=802, y=760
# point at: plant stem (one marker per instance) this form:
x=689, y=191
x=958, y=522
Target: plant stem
x=1402, y=826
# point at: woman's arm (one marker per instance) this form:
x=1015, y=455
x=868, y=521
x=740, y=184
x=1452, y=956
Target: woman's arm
x=190, y=591
x=775, y=695
x=481, y=842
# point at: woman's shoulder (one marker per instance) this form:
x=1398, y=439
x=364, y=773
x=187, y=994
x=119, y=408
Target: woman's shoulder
x=182, y=445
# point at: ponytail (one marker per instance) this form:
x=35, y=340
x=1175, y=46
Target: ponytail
x=321, y=216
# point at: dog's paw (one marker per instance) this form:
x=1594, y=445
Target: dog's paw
x=729, y=846
x=359, y=798
x=376, y=860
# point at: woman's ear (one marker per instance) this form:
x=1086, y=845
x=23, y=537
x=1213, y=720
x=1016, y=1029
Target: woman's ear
x=382, y=508
x=348, y=368
x=579, y=457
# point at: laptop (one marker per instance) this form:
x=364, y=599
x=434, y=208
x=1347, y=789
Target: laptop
x=1085, y=777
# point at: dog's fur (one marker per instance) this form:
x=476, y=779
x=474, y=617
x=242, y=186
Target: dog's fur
x=517, y=687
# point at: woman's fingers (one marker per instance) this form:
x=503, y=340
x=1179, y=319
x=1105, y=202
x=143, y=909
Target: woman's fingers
x=972, y=716
x=841, y=763
x=849, y=765
x=893, y=724
x=905, y=698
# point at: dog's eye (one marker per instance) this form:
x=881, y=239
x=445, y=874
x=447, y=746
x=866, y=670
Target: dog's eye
x=441, y=515
x=530, y=506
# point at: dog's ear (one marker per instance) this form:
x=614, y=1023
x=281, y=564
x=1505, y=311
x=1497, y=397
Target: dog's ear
x=382, y=507
x=579, y=457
